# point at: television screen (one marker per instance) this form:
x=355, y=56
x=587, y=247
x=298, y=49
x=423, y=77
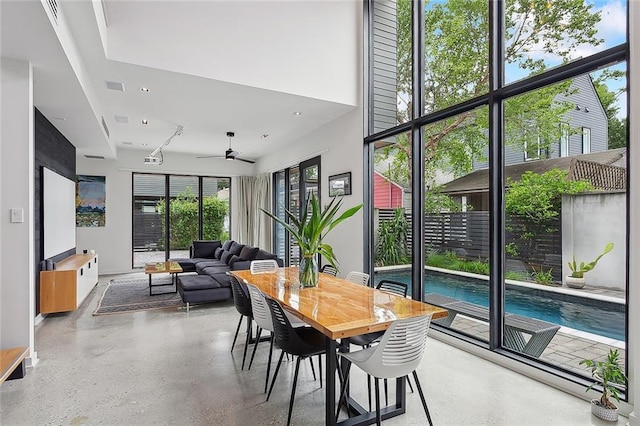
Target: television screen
x=59, y=213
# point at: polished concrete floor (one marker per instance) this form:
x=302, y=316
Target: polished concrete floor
x=170, y=367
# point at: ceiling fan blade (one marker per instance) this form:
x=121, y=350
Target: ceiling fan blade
x=211, y=156
x=246, y=161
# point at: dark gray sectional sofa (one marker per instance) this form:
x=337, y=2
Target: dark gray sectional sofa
x=211, y=260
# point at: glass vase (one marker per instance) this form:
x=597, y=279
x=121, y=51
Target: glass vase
x=308, y=271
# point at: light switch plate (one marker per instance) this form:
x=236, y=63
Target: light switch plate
x=17, y=215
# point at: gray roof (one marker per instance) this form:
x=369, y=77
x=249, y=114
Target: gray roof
x=478, y=181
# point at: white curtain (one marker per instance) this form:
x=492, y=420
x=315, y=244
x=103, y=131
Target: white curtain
x=253, y=226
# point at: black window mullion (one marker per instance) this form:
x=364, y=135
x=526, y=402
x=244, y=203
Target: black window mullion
x=167, y=207
x=496, y=175
x=417, y=155
x=200, y=207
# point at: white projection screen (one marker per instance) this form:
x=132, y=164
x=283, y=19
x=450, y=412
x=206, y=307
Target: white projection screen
x=59, y=213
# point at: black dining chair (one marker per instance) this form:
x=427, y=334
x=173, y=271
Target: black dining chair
x=243, y=305
x=366, y=340
x=328, y=269
x=303, y=342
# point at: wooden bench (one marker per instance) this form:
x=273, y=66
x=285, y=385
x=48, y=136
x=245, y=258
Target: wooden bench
x=516, y=326
x=12, y=363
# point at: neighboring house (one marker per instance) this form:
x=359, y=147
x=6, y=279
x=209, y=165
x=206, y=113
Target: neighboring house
x=386, y=193
x=605, y=170
x=588, y=123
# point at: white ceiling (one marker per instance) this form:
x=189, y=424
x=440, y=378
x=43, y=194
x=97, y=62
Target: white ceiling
x=197, y=76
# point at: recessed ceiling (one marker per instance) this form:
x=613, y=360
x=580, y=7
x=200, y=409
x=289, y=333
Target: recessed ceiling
x=206, y=107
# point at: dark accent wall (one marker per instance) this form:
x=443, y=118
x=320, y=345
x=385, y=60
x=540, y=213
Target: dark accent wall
x=55, y=152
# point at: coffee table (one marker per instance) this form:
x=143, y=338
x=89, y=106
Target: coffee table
x=172, y=268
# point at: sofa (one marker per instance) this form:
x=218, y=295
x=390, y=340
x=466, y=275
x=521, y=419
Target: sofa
x=211, y=261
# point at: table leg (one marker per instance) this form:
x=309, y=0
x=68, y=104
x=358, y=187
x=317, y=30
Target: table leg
x=150, y=285
x=330, y=397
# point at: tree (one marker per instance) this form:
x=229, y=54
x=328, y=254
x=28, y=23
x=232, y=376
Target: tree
x=535, y=201
x=183, y=218
x=457, y=69
x=617, y=127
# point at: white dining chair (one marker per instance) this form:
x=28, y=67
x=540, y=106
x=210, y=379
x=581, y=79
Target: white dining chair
x=397, y=355
x=263, y=266
x=358, y=277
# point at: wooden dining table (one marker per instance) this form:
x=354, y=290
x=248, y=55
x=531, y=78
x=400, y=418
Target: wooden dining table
x=340, y=309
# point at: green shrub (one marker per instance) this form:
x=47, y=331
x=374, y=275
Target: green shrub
x=542, y=276
x=391, y=241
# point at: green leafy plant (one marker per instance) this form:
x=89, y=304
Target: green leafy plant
x=315, y=223
x=609, y=375
x=391, y=241
x=542, y=276
x=578, y=271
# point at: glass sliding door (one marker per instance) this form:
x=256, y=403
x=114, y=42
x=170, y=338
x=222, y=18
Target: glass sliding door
x=170, y=212
x=215, y=208
x=149, y=192
x=294, y=187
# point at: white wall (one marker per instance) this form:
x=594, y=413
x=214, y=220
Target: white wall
x=113, y=241
x=340, y=145
x=17, y=279
x=589, y=223
x=299, y=47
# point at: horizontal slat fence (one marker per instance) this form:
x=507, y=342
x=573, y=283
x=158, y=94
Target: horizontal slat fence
x=467, y=234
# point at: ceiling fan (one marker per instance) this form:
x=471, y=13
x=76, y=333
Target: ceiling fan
x=229, y=154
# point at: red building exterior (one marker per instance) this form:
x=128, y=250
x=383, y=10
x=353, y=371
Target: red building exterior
x=386, y=194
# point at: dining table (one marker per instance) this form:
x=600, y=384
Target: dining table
x=340, y=309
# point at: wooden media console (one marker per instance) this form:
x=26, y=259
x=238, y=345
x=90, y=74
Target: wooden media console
x=64, y=288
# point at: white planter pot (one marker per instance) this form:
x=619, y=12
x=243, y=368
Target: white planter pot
x=603, y=412
x=574, y=282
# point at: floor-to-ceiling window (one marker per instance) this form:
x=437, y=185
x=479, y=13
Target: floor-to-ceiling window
x=482, y=189
x=293, y=186
x=171, y=211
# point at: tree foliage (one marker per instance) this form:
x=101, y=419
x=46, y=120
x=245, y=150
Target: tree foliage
x=617, y=127
x=538, y=197
x=457, y=69
x=183, y=219
x=391, y=241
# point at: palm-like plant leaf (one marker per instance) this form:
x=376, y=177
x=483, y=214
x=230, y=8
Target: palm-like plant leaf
x=313, y=226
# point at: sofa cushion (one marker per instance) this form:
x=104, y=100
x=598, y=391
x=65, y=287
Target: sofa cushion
x=264, y=255
x=205, y=249
x=215, y=263
x=197, y=282
x=226, y=255
x=236, y=248
x=248, y=253
x=187, y=265
x=227, y=245
x=218, y=253
x=214, y=270
x=233, y=260
x=223, y=279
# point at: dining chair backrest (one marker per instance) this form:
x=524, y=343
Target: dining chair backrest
x=284, y=334
x=391, y=286
x=358, y=277
x=328, y=269
x=263, y=266
x=240, y=297
x=261, y=311
x=400, y=349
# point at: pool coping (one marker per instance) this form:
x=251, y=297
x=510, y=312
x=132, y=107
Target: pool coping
x=533, y=286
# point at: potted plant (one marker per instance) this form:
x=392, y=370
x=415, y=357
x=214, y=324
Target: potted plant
x=576, y=279
x=310, y=231
x=608, y=374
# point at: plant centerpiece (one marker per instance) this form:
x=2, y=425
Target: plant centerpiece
x=309, y=232
x=576, y=279
x=609, y=375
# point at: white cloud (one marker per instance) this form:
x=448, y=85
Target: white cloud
x=613, y=23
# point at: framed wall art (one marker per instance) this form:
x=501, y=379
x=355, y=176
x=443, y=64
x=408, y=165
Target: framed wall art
x=340, y=184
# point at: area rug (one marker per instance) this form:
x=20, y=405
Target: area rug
x=130, y=295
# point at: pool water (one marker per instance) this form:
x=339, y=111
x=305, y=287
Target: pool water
x=589, y=315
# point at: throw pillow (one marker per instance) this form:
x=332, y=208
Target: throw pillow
x=263, y=255
x=248, y=253
x=232, y=260
x=218, y=253
x=227, y=245
x=236, y=248
x=226, y=256
x=203, y=249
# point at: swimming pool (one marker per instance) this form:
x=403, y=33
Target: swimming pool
x=589, y=315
